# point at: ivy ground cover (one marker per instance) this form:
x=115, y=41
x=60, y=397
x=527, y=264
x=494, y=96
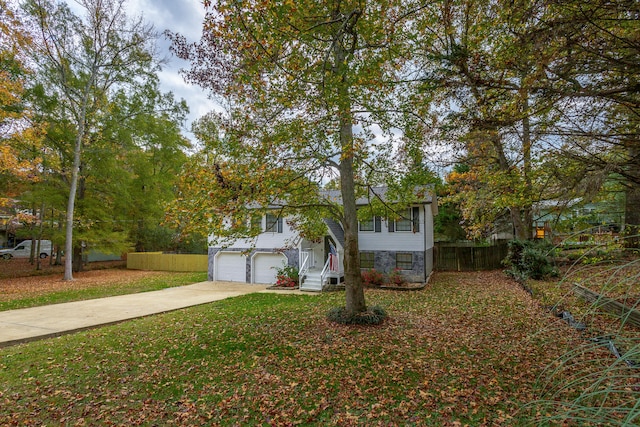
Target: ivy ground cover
x=466, y=350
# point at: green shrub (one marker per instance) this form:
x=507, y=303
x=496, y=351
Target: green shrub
x=374, y=315
x=396, y=278
x=529, y=259
x=287, y=276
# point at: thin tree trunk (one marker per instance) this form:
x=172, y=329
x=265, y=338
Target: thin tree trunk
x=68, y=247
x=632, y=200
x=78, y=264
x=58, y=248
x=33, y=237
x=527, y=209
x=38, y=251
x=75, y=171
x=519, y=228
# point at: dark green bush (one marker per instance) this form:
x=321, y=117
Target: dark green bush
x=529, y=259
x=374, y=315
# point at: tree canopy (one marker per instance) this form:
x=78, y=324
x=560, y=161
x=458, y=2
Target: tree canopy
x=313, y=91
x=94, y=72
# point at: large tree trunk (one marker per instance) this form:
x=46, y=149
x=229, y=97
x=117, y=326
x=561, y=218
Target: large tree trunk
x=75, y=173
x=78, y=266
x=355, y=301
x=520, y=229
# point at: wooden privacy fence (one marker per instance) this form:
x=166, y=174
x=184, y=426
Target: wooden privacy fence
x=451, y=257
x=157, y=261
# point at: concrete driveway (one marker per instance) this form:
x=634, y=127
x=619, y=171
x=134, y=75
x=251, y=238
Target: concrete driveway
x=29, y=324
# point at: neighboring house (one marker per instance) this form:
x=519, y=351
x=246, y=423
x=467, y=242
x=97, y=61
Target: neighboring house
x=405, y=244
x=575, y=217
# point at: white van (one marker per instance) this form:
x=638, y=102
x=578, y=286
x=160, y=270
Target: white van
x=23, y=250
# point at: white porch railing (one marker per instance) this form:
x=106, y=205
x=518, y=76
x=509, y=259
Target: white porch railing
x=326, y=271
x=306, y=258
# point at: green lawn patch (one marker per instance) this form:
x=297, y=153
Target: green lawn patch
x=467, y=349
x=162, y=281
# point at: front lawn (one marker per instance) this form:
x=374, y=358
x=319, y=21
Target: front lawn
x=468, y=349
x=23, y=292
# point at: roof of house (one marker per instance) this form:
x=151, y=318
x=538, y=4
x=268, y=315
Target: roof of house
x=336, y=229
x=423, y=195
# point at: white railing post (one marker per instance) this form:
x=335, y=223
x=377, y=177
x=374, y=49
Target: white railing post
x=304, y=266
x=323, y=275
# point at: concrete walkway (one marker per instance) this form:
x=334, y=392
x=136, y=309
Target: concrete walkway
x=29, y=324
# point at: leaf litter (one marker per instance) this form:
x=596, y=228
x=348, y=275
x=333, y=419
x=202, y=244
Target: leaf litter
x=468, y=349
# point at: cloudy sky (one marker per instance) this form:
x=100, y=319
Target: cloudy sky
x=181, y=16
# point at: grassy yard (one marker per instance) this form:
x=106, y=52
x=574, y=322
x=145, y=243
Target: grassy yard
x=37, y=291
x=468, y=349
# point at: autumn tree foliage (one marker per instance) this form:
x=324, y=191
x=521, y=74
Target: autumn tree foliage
x=16, y=128
x=83, y=61
x=597, y=74
x=518, y=87
x=480, y=74
x=305, y=85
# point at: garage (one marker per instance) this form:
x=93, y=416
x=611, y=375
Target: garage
x=265, y=265
x=230, y=267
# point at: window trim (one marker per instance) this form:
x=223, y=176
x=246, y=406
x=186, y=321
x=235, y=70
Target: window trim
x=376, y=225
x=401, y=264
x=367, y=222
x=406, y=220
x=256, y=222
x=373, y=260
x=413, y=221
x=275, y=226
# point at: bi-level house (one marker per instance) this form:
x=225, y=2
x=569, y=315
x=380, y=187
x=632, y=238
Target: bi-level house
x=385, y=244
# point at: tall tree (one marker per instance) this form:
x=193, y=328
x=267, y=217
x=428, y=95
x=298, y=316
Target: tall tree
x=306, y=85
x=598, y=75
x=480, y=70
x=16, y=128
x=84, y=59
x=146, y=123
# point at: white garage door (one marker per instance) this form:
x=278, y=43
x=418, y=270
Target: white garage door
x=231, y=267
x=262, y=267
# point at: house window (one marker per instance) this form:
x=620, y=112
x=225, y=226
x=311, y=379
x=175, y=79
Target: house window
x=256, y=222
x=404, y=261
x=366, y=260
x=373, y=224
x=366, y=225
x=409, y=221
x=273, y=223
x=404, y=223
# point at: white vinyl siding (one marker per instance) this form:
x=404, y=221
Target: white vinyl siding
x=389, y=240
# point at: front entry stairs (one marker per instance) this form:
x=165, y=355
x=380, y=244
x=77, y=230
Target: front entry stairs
x=312, y=281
